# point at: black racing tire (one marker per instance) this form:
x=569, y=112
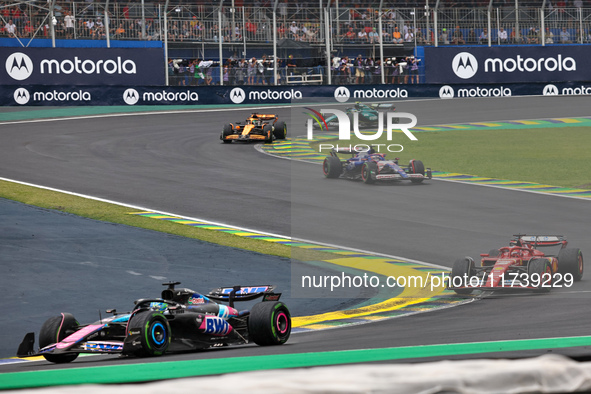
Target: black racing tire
x=268, y=131
x=155, y=332
x=570, y=261
x=494, y=253
x=53, y=331
x=366, y=169
x=416, y=167
x=280, y=130
x=269, y=323
x=226, y=131
x=332, y=167
x=540, y=271
x=462, y=268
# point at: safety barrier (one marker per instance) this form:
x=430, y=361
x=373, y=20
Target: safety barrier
x=42, y=95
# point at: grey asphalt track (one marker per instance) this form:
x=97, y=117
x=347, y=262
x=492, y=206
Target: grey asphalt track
x=175, y=163
x=54, y=262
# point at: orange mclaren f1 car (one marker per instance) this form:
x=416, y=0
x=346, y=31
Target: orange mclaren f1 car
x=258, y=127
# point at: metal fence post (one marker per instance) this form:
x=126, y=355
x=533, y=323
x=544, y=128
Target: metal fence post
x=220, y=38
x=327, y=40
x=51, y=25
x=489, y=26
x=107, y=24
x=543, y=26
x=517, y=32
x=435, y=25
x=275, y=42
x=164, y=28
x=581, y=32
x=381, y=43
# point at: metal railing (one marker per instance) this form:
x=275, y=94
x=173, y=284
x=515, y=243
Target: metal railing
x=201, y=23
x=333, y=30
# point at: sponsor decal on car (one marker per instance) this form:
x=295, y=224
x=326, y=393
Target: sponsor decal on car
x=214, y=325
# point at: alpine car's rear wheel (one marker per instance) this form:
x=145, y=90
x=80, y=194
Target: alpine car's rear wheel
x=461, y=272
x=540, y=275
x=367, y=169
x=226, y=131
x=332, y=167
x=269, y=323
x=570, y=261
x=416, y=167
x=153, y=331
x=268, y=132
x=54, y=330
x=280, y=130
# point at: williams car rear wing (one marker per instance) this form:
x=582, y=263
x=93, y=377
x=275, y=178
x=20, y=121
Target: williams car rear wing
x=244, y=293
x=539, y=240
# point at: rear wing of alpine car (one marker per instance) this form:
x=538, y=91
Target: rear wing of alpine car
x=244, y=293
x=539, y=240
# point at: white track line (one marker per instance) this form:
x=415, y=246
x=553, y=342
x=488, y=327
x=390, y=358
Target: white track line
x=225, y=224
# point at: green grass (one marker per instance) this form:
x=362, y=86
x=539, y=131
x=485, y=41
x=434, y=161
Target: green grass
x=553, y=156
x=119, y=214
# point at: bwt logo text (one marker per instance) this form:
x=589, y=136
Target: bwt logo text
x=345, y=125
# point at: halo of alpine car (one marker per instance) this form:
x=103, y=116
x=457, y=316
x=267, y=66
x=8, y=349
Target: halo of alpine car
x=181, y=320
x=257, y=127
x=521, y=266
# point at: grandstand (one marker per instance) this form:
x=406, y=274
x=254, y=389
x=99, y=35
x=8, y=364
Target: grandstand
x=313, y=32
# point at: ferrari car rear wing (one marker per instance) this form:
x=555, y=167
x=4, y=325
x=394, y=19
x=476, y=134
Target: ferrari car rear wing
x=244, y=293
x=539, y=240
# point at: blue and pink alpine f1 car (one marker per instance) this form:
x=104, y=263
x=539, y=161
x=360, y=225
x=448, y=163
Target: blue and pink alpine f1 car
x=182, y=320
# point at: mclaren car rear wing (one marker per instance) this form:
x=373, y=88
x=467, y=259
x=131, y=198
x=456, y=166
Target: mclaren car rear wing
x=539, y=240
x=244, y=293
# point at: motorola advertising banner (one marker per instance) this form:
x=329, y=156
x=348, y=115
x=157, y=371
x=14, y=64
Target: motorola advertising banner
x=82, y=66
x=38, y=95
x=507, y=64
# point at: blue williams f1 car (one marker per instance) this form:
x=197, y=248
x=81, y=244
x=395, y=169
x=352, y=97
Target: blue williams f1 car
x=371, y=167
x=182, y=320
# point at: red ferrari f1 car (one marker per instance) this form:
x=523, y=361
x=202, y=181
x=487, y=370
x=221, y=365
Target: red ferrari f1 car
x=520, y=266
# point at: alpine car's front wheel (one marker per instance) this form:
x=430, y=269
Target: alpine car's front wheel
x=332, y=167
x=54, y=330
x=269, y=323
x=367, y=169
x=148, y=334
